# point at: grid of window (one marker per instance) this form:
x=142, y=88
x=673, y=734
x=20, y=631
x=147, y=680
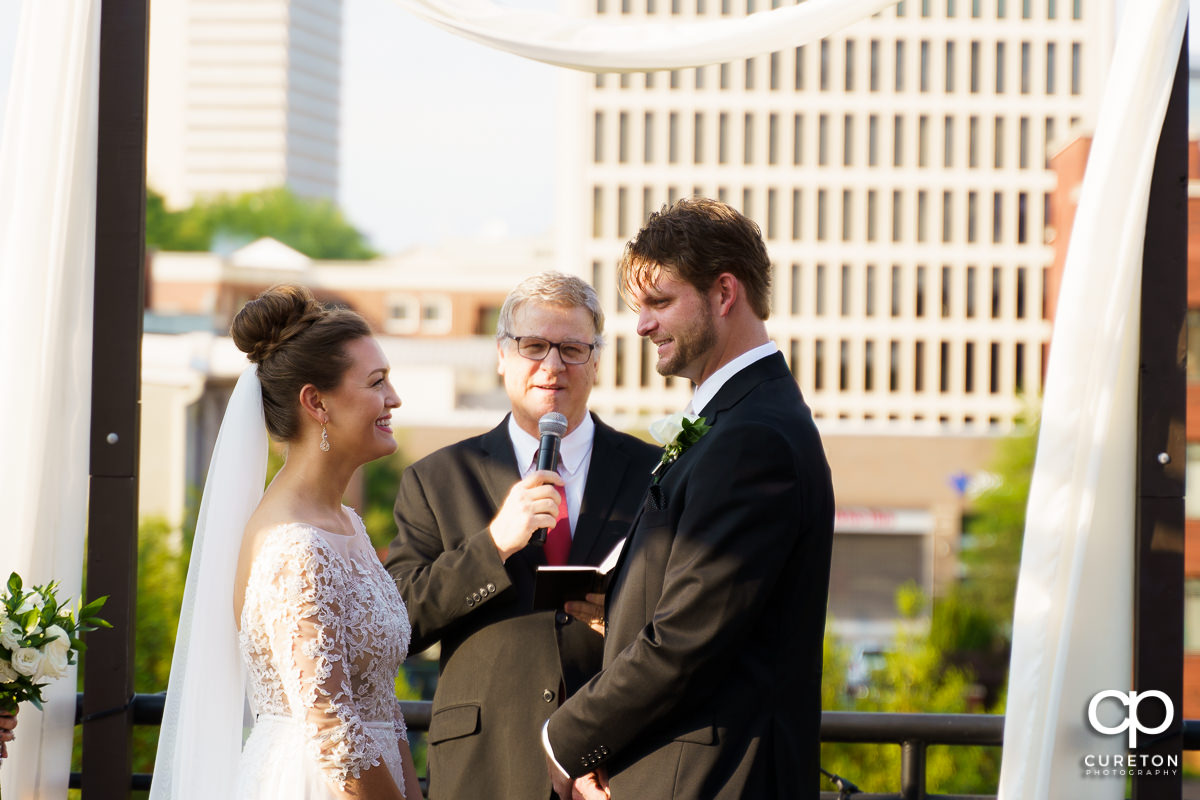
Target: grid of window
x=947, y=188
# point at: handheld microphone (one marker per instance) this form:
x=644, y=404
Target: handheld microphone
x=551, y=428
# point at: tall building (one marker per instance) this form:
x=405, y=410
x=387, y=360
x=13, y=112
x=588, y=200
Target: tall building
x=899, y=171
x=243, y=96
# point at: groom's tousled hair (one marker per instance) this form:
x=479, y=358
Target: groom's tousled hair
x=294, y=340
x=696, y=240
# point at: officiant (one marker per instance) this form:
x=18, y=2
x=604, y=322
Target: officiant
x=462, y=558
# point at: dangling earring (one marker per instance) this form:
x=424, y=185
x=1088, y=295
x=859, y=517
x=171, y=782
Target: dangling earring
x=324, y=439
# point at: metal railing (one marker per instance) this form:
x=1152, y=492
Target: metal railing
x=913, y=733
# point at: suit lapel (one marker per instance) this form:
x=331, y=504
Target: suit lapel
x=599, y=494
x=499, y=468
x=737, y=387
x=741, y=382
x=499, y=472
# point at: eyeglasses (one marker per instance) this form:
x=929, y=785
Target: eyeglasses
x=536, y=349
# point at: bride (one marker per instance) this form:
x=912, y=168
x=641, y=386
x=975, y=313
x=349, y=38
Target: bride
x=285, y=595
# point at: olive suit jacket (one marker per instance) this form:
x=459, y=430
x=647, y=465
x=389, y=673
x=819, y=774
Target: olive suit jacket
x=712, y=659
x=502, y=664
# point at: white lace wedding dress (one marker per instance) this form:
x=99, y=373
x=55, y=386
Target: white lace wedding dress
x=323, y=635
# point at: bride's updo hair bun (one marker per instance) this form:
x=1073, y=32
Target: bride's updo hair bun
x=277, y=315
x=294, y=340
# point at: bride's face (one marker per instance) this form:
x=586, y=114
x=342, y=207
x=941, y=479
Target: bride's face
x=360, y=408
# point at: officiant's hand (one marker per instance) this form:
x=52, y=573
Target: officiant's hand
x=590, y=612
x=532, y=503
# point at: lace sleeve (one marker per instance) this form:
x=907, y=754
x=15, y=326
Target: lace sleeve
x=310, y=639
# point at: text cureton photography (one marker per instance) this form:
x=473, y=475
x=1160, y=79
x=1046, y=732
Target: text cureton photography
x=1119, y=764
x=1130, y=764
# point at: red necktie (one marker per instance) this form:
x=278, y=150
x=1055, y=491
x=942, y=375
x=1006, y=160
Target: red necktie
x=558, y=538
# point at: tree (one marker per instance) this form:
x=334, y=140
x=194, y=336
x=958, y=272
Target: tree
x=991, y=554
x=972, y=623
x=915, y=677
x=315, y=227
x=381, y=479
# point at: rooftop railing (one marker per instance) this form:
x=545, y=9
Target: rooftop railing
x=912, y=733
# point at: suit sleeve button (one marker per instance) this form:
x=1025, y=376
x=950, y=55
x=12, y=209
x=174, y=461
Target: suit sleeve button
x=470, y=601
x=491, y=587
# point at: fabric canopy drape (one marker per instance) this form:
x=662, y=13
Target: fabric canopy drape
x=1073, y=627
x=47, y=219
x=598, y=45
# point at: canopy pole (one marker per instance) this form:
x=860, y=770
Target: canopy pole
x=1161, y=449
x=116, y=391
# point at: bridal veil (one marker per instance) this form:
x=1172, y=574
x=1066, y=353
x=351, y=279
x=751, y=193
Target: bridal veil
x=200, y=741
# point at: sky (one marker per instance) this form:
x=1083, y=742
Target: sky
x=441, y=137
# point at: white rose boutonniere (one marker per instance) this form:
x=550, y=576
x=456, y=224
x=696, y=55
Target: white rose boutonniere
x=676, y=433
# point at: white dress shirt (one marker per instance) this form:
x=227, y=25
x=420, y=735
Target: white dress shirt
x=708, y=390
x=575, y=456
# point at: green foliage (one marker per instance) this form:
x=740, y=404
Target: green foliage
x=162, y=570
x=915, y=677
x=960, y=626
x=381, y=479
x=910, y=600
x=993, y=531
x=416, y=741
x=315, y=227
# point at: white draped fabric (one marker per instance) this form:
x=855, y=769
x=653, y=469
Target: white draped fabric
x=47, y=205
x=1073, y=629
x=598, y=45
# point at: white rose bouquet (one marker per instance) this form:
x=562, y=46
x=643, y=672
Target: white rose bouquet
x=39, y=637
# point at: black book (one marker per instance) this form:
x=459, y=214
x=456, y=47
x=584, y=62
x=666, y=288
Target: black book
x=554, y=586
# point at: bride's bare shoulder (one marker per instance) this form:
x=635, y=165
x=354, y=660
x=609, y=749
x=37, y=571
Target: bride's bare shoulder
x=272, y=513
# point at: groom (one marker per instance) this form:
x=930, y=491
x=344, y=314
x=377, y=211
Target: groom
x=715, y=618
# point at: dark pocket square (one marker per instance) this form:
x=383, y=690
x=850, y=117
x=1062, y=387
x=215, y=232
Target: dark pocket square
x=655, y=499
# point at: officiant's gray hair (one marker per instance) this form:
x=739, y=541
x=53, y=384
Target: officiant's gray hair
x=553, y=289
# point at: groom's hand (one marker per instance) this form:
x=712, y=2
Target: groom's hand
x=532, y=503
x=593, y=786
x=560, y=782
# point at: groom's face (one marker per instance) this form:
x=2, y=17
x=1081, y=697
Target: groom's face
x=678, y=320
x=537, y=387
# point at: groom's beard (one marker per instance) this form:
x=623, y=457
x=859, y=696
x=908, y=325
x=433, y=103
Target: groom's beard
x=691, y=343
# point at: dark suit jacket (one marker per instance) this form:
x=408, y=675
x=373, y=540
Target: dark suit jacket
x=712, y=660
x=500, y=661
